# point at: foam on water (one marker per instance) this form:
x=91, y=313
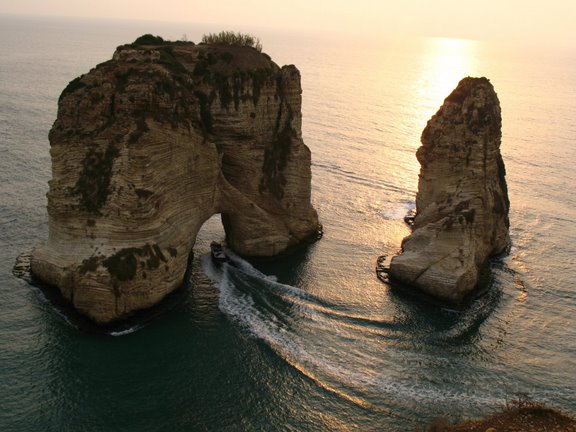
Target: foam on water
x=398, y=213
x=125, y=332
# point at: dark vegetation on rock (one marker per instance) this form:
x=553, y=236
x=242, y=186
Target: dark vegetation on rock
x=232, y=38
x=124, y=264
x=93, y=184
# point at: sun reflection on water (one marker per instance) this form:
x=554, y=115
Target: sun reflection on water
x=427, y=79
x=445, y=62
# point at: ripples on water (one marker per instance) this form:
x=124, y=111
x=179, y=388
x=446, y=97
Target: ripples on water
x=314, y=342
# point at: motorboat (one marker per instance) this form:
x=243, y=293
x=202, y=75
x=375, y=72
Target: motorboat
x=218, y=254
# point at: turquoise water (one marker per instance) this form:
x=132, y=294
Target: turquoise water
x=314, y=342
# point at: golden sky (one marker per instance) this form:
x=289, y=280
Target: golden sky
x=529, y=21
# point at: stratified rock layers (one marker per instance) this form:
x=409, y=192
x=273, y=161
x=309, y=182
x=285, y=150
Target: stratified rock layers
x=462, y=201
x=149, y=145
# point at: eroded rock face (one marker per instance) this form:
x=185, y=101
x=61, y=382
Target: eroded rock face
x=462, y=201
x=147, y=147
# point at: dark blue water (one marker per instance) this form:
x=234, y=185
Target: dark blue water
x=314, y=342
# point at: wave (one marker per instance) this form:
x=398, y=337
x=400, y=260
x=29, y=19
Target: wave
x=398, y=212
x=125, y=332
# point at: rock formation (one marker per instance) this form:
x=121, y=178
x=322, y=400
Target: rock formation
x=462, y=201
x=149, y=145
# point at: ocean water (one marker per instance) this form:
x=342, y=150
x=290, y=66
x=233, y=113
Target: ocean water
x=314, y=342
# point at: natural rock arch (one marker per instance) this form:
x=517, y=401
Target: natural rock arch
x=149, y=145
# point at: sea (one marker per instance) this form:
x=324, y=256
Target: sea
x=312, y=342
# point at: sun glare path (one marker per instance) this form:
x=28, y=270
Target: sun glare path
x=445, y=62
x=441, y=64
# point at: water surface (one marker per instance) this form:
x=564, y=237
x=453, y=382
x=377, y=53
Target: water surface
x=314, y=342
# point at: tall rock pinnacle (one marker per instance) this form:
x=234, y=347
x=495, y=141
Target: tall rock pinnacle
x=462, y=201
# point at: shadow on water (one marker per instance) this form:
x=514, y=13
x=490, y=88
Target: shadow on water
x=173, y=375
x=291, y=268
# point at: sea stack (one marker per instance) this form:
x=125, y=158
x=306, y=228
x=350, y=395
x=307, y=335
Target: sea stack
x=149, y=145
x=462, y=202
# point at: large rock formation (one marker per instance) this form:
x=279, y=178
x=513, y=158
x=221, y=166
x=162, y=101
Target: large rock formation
x=462, y=201
x=147, y=147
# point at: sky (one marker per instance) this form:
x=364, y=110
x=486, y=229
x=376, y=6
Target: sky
x=529, y=21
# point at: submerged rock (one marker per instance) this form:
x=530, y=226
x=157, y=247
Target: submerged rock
x=462, y=201
x=149, y=145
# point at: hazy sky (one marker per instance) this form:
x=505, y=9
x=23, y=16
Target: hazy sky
x=531, y=20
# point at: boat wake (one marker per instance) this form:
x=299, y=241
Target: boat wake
x=344, y=351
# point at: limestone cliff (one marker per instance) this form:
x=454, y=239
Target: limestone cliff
x=462, y=201
x=149, y=145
